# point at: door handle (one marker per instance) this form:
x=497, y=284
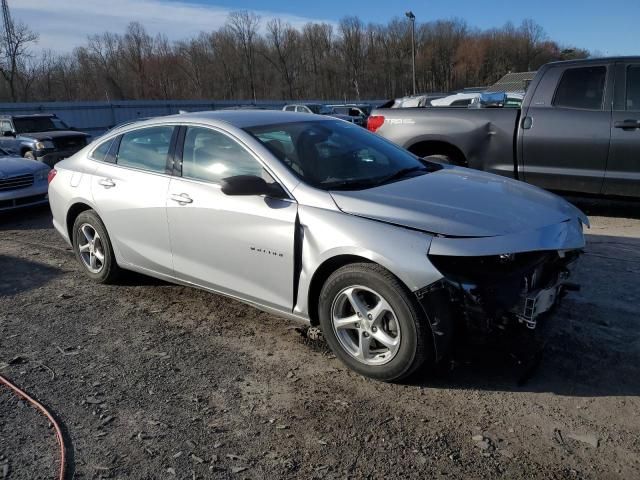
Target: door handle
x=107, y=182
x=181, y=198
x=628, y=124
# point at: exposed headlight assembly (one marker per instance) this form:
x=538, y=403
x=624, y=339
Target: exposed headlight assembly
x=44, y=145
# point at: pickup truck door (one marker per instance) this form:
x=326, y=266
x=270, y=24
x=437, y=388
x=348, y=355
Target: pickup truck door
x=566, y=129
x=623, y=168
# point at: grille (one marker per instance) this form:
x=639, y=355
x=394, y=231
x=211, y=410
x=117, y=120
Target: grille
x=69, y=143
x=14, y=183
x=19, y=202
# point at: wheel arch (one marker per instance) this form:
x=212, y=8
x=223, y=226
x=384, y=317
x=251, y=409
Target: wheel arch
x=439, y=147
x=72, y=213
x=320, y=276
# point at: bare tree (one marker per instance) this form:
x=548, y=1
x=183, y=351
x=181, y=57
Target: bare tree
x=238, y=61
x=352, y=47
x=284, y=42
x=244, y=25
x=14, y=53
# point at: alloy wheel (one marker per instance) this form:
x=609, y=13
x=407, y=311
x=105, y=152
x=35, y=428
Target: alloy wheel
x=365, y=325
x=90, y=248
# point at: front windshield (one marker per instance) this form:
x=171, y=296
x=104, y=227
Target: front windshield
x=38, y=124
x=337, y=155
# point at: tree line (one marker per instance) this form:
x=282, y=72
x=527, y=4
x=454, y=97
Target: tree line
x=252, y=59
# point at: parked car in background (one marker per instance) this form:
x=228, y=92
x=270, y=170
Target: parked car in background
x=320, y=221
x=455, y=100
x=23, y=182
x=42, y=137
x=318, y=109
x=358, y=113
x=578, y=130
x=412, y=101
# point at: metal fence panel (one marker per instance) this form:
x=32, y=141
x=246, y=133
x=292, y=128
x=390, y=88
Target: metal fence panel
x=97, y=117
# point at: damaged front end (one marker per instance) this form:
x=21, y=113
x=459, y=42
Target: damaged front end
x=484, y=292
x=497, y=290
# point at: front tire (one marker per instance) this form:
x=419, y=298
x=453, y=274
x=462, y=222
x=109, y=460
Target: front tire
x=29, y=155
x=372, y=323
x=93, y=249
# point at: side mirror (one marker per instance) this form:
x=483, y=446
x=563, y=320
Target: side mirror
x=251, y=185
x=8, y=133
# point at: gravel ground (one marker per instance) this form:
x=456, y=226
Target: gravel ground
x=152, y=380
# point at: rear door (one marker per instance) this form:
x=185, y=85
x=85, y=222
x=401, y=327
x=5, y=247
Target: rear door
x=566, y=130
x=238, y=245
x=623, y=168
x=130, y=188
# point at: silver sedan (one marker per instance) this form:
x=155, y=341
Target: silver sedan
x=318, y=220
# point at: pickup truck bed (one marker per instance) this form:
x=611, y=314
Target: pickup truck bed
x=578, y=130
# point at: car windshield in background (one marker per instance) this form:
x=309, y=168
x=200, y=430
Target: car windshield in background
x=335, y=155
x=38, y=124
x=321, y=109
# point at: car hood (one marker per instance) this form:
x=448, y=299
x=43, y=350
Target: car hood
x=10, y=166
x=460, y=202
x=53, y=134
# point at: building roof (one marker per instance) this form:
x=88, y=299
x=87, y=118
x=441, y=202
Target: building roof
x=512, y=82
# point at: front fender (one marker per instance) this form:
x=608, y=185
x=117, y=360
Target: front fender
x=327, y=234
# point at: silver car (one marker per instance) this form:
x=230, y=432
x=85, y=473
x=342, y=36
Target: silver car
x=23, y=182
x=318, y=220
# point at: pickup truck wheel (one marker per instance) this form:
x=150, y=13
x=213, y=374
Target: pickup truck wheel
x=29, y=154
x=372, y=323
x=93, y=248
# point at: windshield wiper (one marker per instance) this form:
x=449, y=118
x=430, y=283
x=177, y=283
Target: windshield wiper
x=403, y=172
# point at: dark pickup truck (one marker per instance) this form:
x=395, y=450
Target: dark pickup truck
x=578, y=130
x=42, y=137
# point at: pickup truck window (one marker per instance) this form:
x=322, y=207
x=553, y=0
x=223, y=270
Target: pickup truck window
x=633, y=88
x=581, y=88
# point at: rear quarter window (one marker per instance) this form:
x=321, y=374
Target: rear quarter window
x=100, y=152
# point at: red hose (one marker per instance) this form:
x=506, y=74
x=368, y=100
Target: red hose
x=45, y=412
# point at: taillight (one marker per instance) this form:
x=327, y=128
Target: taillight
x=51, y=175
x=374, y=122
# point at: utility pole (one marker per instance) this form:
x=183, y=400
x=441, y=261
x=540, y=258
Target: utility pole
x=8, y=23
x=412, y=19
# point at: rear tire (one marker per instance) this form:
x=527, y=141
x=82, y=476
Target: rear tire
x=385, y=336
x=93, y=249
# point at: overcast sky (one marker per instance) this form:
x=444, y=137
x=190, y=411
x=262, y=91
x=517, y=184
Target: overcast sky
x=610, y=27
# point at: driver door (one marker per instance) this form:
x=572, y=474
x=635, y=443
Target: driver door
x=242, y=246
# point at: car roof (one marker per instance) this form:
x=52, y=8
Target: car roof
x=595, y=60
x=244, y=118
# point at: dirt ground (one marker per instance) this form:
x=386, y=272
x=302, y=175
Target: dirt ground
x=151, y=380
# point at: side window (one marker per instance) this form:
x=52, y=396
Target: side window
x=100, y=153
x=146, y=148
x=302, y=109
x=211, y=156
x=290, y=108
x=581, y=88
x=5, y=126
x=633, y=88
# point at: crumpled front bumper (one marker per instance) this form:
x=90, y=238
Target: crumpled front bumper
x=31, y=196
x=494, y=283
